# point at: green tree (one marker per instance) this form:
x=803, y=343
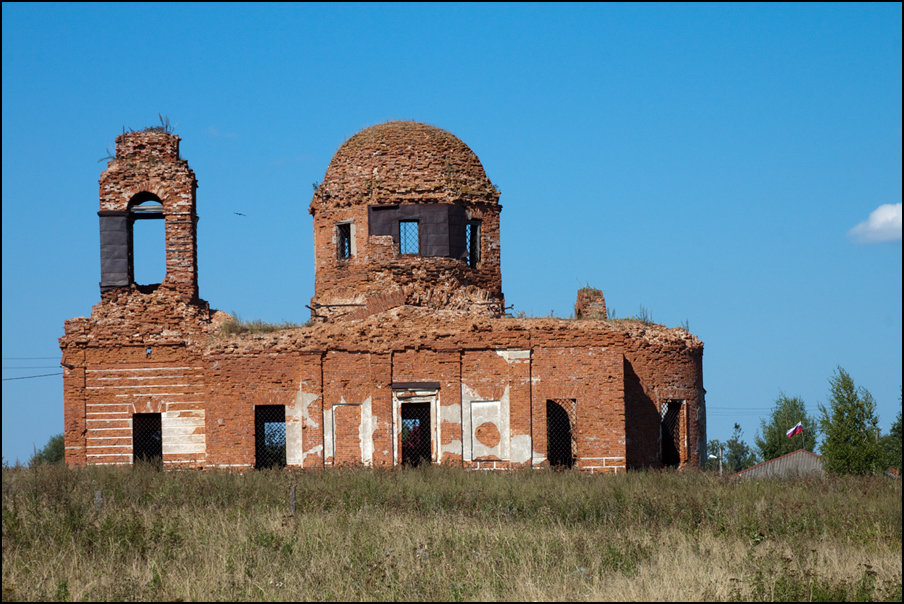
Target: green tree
x=890, y=444
x=850, y=427
x=52, y=452
x=772, y=440
x=738, y=455
x=714, y=448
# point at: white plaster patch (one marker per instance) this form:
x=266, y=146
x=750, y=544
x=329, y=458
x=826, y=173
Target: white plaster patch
x=312, y=451
x=294, y=414
x=328, y=435
x=521, y=448
x=366, y=430
x=182, y=432
x=467, y=395
x=450, y=413
x=453, y=447
x=478, y=412
x=305, y=399
x=512, y=356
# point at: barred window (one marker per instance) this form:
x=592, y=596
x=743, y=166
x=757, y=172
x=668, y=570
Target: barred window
x=147, y=441
x=408, y=237
x=270, y=436
x=472, y=242
x=416, y=446
x=670, y=433
x=344, y=240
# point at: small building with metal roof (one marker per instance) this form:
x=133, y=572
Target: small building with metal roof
x=796, y=464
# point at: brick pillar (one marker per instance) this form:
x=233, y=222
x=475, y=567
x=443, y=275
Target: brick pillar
x=74, y=415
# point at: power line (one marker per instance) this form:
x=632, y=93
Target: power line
x=28, y=377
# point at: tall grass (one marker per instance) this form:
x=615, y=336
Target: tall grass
x=440, y=533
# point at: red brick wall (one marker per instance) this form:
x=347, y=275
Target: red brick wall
x=443, y=367
x=145, y=350
x=237, y=383
x=403, y=163
x=666, y=370
x=593, y=377
x=148, y=162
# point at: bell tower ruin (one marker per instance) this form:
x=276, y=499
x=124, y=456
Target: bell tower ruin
x=147, y=180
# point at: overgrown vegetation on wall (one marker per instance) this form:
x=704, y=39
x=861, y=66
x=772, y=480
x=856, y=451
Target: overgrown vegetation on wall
x=439, y=533
x=237, y=326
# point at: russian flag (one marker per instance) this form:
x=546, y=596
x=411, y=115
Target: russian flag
x=795, y=430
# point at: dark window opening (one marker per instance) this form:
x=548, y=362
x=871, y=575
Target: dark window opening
x=408, y=237
x=670, y=433
x=560, y=445
x=269, y=436
x=472, y=242
x=344, y=240
x=147, y=438
x=416, y=445
x=147, y=254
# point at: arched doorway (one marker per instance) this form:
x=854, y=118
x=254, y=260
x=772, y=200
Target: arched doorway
x=560, y=449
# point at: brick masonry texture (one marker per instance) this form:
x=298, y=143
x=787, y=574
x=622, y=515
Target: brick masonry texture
x=388, y=330
x=403, y=163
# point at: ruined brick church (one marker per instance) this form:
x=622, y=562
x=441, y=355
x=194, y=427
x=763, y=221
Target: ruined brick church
x=409, y=356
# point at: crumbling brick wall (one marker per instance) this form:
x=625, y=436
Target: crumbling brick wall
x=591, y=304
x=419, y=330
x=392, y=167
x=147, y=167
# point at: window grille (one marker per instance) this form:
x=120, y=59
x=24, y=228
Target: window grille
x=416, y=446
x=270, y=436
x=561, y=448
x=472, y=242
x=670, y=429
x=408, y=237
x=147, y=438
x=344, y=240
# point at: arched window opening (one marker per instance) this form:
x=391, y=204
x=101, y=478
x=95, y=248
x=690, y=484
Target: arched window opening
x=148, y=240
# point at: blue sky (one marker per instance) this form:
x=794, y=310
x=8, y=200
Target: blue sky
x=710, y=163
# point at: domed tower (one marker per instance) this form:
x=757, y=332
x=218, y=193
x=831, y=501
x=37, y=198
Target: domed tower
x=405, y=215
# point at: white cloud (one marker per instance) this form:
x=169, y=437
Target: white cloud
x=883, y=224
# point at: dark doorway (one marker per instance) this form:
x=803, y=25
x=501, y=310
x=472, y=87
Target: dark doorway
x=269, y=436
x=671, y=413
x=147, y=438
x=416, y=445
x=559, y=433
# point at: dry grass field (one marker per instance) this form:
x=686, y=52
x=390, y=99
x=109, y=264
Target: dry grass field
x=441, y=533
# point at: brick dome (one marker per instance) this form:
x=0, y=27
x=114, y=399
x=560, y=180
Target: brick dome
x=404, y=162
